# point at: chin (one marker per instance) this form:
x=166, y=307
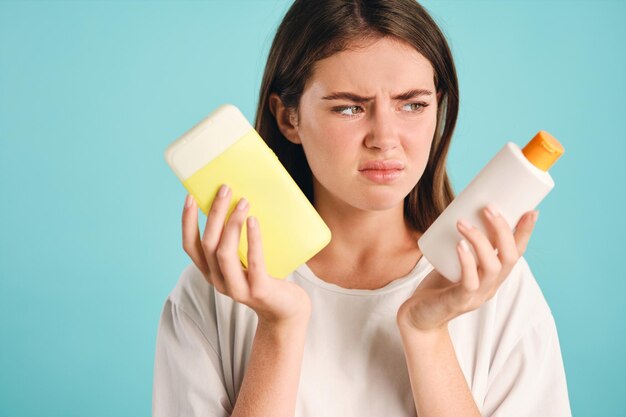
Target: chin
x=380, y=201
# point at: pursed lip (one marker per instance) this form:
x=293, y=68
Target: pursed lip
x=381, y=165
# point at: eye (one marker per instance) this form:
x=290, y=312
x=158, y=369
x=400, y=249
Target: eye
x=415, y=107
x=348, y=110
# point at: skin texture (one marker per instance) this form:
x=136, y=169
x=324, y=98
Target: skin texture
x=338, y=136
x=270, y=384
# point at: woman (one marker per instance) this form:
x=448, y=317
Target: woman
x=366, y=327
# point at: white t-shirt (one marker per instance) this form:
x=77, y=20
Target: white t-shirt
x=353, y=363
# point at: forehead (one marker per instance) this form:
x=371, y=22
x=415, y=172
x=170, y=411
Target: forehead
x=375, y=66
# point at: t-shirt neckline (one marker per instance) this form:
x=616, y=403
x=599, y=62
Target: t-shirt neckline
x=417, y=273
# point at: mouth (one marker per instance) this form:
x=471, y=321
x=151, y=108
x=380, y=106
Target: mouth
x=381, y=165
x=382, y=176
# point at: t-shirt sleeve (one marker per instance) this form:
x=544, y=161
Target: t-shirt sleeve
x=530, y=381
x=188, y=376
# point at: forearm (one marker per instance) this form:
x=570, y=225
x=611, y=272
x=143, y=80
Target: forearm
x=270, y=385
x=437, y=382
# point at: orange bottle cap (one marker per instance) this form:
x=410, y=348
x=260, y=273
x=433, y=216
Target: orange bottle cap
x=543, y=150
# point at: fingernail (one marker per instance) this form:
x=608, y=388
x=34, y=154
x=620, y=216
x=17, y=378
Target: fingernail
x=464, y=246
x=223, y=190
x=251, y=222
x=535, y=216
x=464, y=224
x=243, y=203
x=188, y=201
x=492, y=211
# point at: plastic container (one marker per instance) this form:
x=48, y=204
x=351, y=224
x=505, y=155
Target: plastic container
x=514, y=181
x=224, y=148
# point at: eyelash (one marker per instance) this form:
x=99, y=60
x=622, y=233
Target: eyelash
x=340, y=109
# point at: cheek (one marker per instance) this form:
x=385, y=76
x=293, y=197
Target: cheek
x=417, y=148
x=327, y=144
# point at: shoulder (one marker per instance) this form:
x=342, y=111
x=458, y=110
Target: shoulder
x=193, y=294
x=520, y=303
x=210, y=310
x=520, y=316
x=516, y=311
x=525, y=360
x=517, y=308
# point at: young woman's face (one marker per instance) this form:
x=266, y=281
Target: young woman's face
x=375, y=102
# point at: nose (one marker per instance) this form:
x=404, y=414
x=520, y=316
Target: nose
x=382, y=132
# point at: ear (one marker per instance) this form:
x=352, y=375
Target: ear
x=286, y=119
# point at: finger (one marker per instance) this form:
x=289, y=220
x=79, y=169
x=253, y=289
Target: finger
x=462, y=294
x=487, y=260
x=524, y=229
x=469, y=273
x=213, y=233
x=504, y=240
x=227, y=254
x=256, y=262
x=191, y=236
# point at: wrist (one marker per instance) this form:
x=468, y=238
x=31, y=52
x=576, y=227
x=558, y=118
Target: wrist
x=424, y=337
x=286, y=329
x=421, y=320
x=287, y=318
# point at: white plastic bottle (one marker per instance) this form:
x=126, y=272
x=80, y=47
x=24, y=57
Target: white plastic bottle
x=514, y=181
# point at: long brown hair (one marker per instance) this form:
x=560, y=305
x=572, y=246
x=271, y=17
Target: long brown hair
x=316, y=29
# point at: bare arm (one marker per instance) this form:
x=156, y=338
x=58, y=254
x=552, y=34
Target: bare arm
x=270, y=385
x=437, y=382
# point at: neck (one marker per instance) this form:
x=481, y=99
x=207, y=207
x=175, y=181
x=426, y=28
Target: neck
x=368, y=248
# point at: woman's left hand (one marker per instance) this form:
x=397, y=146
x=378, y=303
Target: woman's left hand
x=437, y=300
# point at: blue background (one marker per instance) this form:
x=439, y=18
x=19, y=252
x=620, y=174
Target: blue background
x=91, y=93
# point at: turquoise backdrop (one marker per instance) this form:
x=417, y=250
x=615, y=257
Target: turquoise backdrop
x=92, y=92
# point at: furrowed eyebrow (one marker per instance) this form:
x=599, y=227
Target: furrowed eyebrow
x=407, y=95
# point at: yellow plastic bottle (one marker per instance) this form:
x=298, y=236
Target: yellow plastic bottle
x=225, y=149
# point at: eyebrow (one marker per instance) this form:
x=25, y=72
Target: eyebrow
x=407, y=95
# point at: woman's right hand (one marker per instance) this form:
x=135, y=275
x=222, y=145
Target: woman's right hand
x=275, y=301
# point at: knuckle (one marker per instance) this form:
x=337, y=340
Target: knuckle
x=254, y=264
x=239, y=216
x=217, y=204
x=221, y=254
x=191, y=252
x=206, y=245
x=472, y=234
x=258, y=293
x=491, y=269
x=508, y=259
x=470, y=291
x=234, y=222
x=503, y=225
